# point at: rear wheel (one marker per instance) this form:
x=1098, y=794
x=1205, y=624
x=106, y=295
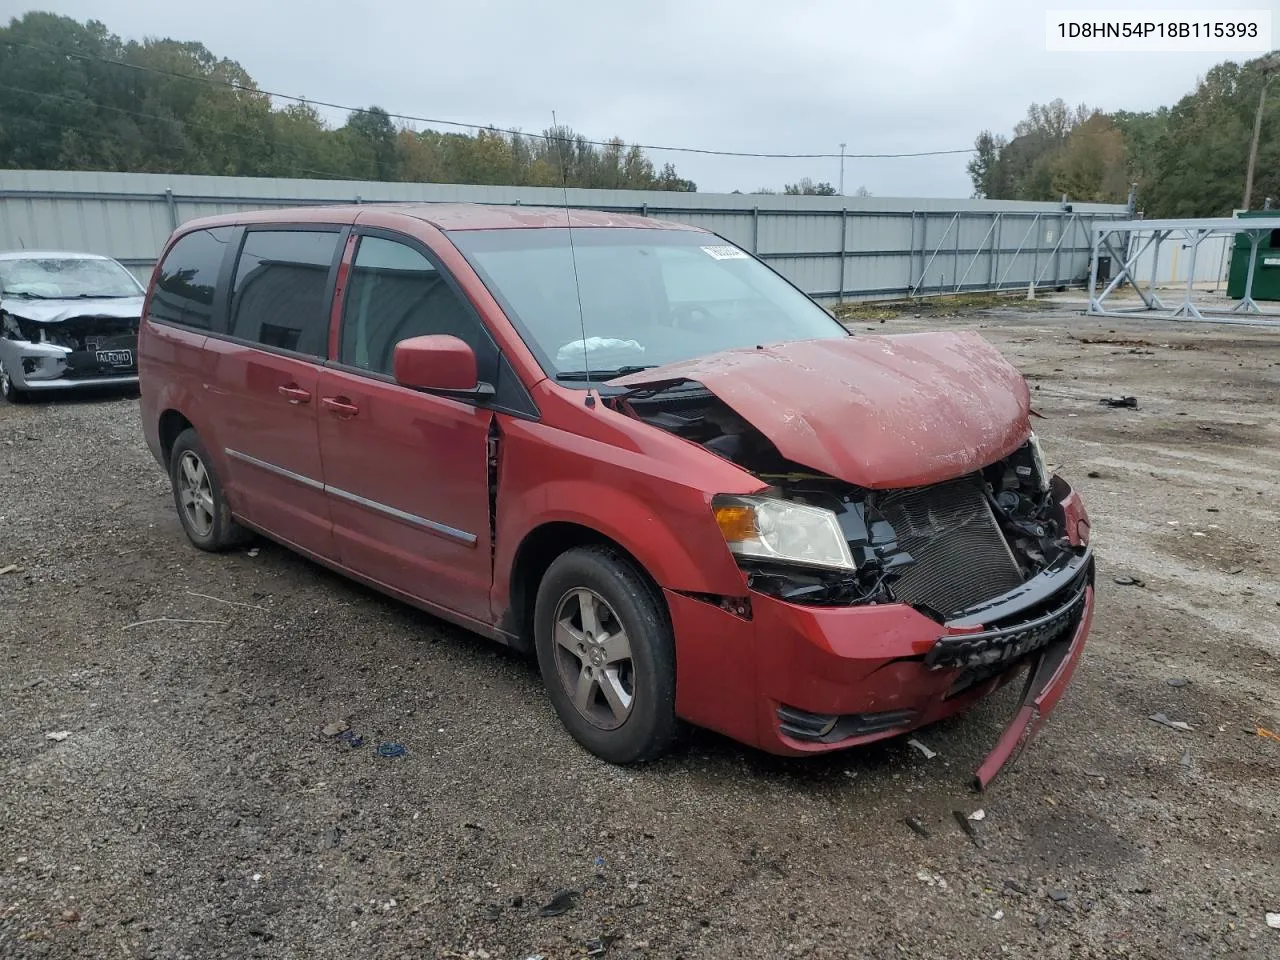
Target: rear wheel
x=606, y=654
x=7, y=389
x=197, y=493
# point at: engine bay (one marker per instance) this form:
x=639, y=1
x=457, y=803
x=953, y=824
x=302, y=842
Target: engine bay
x=941, y=548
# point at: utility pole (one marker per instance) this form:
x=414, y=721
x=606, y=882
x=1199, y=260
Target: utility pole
x=1268, y=66
x=842, y=146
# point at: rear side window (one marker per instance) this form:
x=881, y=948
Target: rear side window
x=281, y=289
x=184, y=287
x=394, y=293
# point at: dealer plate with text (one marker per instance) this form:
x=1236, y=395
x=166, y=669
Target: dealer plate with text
x=117, y=358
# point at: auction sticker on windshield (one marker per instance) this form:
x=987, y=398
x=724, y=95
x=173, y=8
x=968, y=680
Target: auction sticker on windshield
x=724, y=252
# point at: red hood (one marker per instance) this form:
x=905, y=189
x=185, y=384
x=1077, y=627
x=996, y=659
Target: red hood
x=878, y=412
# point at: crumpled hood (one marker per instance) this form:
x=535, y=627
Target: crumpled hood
x=878, y=412
x=55, y=311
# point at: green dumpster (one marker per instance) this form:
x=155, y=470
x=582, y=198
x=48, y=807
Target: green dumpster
x=1266, y=270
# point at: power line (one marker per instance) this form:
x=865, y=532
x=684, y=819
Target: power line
x=482, y=126
x=91, y=105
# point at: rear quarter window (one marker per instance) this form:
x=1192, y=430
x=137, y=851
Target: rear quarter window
x=186, y=282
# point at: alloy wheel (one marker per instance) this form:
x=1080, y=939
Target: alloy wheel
x=593, y=658
x=195, y=493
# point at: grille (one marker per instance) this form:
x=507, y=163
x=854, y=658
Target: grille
x=94, y=333
x=961, y=557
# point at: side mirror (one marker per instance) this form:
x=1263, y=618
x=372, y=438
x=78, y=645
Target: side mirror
x=437, y=363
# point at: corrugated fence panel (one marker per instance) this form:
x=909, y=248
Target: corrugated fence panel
x=831, y=247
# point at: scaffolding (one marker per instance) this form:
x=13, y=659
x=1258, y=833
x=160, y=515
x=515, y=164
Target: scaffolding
x=1193, y=233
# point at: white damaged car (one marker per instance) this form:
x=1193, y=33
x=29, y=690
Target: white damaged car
x=66, y=320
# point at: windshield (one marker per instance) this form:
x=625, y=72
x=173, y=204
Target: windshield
x=649, y=297
x=66, y=279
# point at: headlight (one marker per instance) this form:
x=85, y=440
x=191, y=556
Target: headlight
x=766, y=528
x=1037, y=457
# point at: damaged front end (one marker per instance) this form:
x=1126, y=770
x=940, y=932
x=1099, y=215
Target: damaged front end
x=997, y=557
x=68, y=348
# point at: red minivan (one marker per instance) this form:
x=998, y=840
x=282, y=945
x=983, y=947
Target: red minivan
x=628, y=446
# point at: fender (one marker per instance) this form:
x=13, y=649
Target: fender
x=670, y=530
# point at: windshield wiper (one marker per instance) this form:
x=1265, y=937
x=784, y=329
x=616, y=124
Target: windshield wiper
x=73, y=296
x=595, y=376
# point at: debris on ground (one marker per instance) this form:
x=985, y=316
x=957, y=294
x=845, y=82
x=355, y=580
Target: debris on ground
x=335, y=728
x=928, y=754
x=970, y=830
x=57, y=736
x=1164, y=721
x=1131, y=402
x=391, y=750
x=1273, y=921
x=1264, y=732
x=1058, y=895
x=11, y=568
x=1178, y=681
x=562, y=902
x=998, y=915
x=597, y=947
x=917, y=826
x=143, y=623
x=229, y=603
x=932, y=879
x=1126, y=581
x=351, y=739
x=253, y=551
x=978, y=815
x=1016, y=887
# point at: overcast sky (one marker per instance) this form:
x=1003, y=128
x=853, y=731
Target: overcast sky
x=796, y=76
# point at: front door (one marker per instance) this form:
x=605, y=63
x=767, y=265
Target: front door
x=265, y=383
x=406, y=473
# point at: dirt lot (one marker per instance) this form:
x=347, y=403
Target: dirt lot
x=196, y=809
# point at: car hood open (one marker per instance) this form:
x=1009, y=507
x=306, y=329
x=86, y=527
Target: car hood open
x=878, y=412
x=56, y=311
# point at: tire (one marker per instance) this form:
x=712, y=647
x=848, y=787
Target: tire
x=7, y=389
x=205, y=516
x=625, y=709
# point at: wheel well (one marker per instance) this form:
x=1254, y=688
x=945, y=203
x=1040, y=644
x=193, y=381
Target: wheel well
x=172, y=423
x=536, y=553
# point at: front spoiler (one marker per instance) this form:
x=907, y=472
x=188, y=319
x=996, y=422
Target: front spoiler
x=1047, y=678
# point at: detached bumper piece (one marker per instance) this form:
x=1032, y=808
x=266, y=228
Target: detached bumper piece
x=1043, y=623
x=832, y=728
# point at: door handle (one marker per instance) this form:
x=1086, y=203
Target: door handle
x=341, y=406
x=295, y=394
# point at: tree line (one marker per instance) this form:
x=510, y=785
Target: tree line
x=74, y=96
x=1187, y=160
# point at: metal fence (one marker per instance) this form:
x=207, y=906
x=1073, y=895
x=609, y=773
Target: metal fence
x=834, y=248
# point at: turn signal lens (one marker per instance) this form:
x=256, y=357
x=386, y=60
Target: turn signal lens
x=737, y=522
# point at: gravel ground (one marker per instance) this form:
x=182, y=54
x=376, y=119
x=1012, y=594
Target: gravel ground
x=197, y=809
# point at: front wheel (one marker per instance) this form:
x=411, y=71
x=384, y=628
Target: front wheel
x=197, y=493
x=7, y=389
x=606, y=654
